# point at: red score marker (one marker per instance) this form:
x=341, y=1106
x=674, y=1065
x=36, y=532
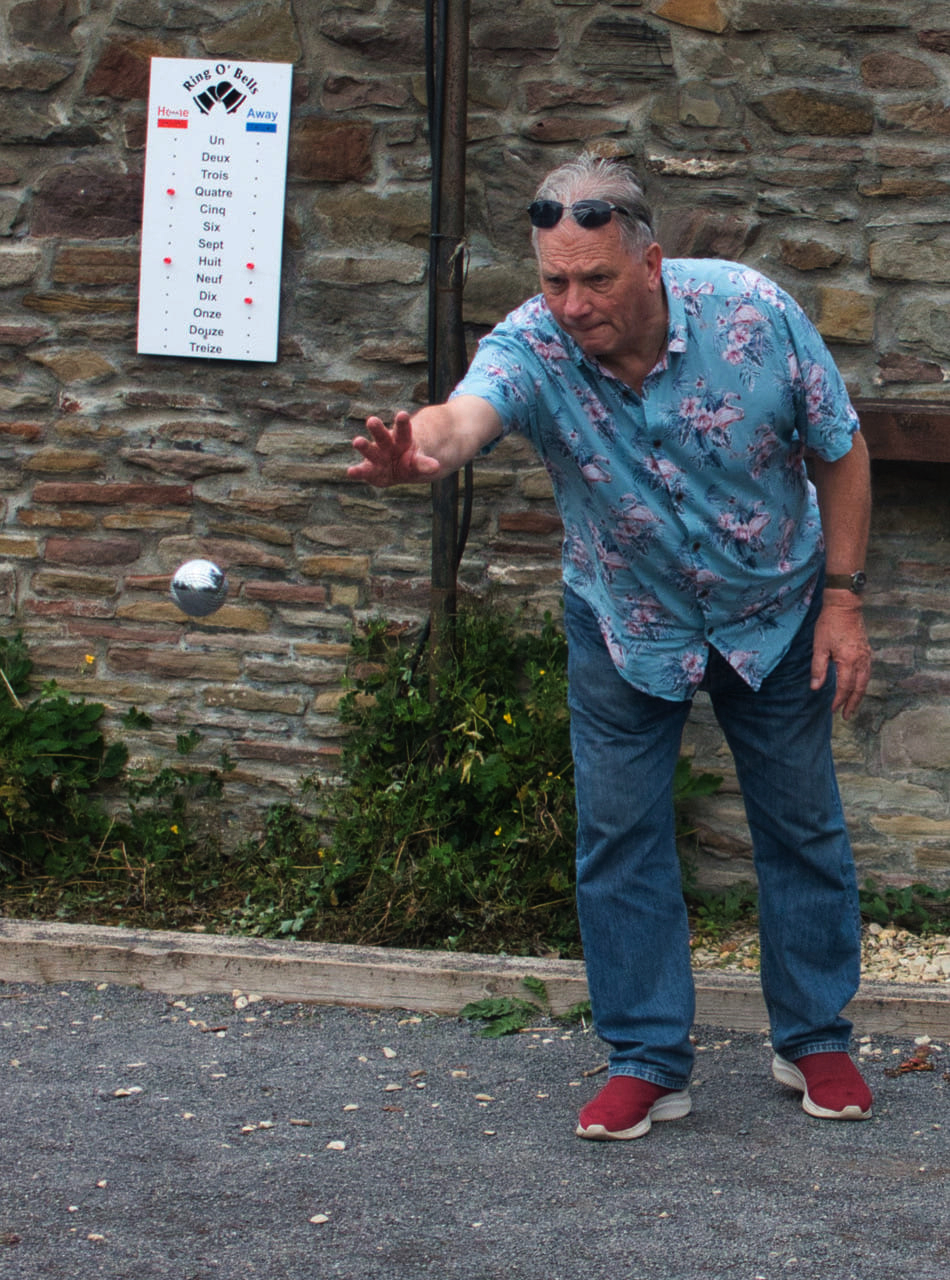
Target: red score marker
x=249, y=301
x=170, y=191
x=250, y=266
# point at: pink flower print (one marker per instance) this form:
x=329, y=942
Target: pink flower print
x=714, y=423
x=614, y=648
x=745, y=662
x=746, y=316
x=746, y=529
x=693, y=667
x=610, y=561
x=663, y=470
x=816, y=390
x=547, y=350
x=641, y=615
x=634, y=522
x=760, y=451
x=596, y=470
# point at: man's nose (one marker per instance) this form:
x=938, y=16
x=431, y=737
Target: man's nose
x=576, y=301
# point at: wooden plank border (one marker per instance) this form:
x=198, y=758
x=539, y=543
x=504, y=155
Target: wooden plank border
x=185, y=964
x=906, y=430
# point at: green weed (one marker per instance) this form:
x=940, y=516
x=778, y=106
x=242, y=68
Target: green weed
x=915, y=907
x=503, y=1015
x=54, y=762
x=78, y=833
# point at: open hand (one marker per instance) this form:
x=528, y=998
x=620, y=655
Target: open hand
x=392, y=456
x=840, y=638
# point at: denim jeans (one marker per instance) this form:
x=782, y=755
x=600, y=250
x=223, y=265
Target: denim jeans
x=630, y=904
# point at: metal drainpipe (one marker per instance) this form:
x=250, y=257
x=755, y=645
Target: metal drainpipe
x=447, y=262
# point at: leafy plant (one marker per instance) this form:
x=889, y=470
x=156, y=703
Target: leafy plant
x=68, y=810
x=915, y=907
x=502, y=1015
x=53, y=762
x=716, y=912
x=455, y=823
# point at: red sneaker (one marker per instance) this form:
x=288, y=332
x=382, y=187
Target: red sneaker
x=832, y=1085
x=627, y=1106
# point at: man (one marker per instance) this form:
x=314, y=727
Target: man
x=673, y=403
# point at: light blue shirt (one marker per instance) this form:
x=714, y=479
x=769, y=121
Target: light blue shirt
x=689, y=519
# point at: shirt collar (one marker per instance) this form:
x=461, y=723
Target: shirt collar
x=678, y=328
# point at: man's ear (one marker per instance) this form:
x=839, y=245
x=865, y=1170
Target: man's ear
x=653, y=258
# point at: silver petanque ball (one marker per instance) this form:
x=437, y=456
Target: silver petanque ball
x=199, y=587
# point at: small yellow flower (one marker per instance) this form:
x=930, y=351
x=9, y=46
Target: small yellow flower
x=90, y=659
x=173, y=830
x=542, y=672
x=498, y=832
x=507, y=718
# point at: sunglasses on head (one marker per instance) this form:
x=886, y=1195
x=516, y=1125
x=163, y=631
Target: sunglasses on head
x=588, y=214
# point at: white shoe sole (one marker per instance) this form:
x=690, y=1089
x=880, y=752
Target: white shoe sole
x=787, y=1073
x=672, y=1106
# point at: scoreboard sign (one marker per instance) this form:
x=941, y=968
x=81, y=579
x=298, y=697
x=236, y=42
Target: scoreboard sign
x=213, y=215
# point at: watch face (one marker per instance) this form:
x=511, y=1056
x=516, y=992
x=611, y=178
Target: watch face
x=859, y=580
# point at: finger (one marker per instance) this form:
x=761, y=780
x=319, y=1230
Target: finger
x=819, y=670
x=860, y=680
x=380, y=432
x=402, y=431
x=370, y=451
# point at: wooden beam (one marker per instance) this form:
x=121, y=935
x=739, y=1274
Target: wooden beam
x=906, y=430
x=184, y=964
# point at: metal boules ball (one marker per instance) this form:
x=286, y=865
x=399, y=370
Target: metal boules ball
x=199, y=587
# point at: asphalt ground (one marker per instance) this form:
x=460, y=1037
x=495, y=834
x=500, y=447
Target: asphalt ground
x=150, y=1137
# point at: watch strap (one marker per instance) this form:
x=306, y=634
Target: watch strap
x=855, y=582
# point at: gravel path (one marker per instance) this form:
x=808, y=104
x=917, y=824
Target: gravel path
x=146, y=1138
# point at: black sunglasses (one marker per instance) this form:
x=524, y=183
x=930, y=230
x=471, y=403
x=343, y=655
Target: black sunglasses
x=588, y=214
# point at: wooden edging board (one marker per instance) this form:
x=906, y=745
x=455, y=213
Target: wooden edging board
x=183, y=964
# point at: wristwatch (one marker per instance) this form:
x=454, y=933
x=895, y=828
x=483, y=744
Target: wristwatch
x=855, y=582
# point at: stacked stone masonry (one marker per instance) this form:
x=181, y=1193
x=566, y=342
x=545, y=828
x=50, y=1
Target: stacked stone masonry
x=811, y=141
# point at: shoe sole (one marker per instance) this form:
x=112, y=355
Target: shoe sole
x=672, y=1106
x=787, y=1073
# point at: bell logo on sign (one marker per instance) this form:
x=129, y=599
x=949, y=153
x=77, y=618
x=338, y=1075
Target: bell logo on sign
x=225, y=93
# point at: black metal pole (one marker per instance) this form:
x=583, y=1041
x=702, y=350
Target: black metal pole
x=447, y=273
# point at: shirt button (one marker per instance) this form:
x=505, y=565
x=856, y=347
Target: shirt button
x=697, y=545
x=657, y=443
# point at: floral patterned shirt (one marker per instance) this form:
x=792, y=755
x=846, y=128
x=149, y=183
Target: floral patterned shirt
x=688, y=516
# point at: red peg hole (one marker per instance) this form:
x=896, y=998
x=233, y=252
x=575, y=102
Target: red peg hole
x=167, y=261
x=249, y=301
x=250, y=266
x=170, y=191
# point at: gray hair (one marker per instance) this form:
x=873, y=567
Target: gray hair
x=592, y=177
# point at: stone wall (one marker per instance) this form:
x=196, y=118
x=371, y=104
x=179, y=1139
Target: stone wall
x=812, y=141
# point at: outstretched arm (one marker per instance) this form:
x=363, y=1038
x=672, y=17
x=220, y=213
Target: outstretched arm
x=432, y=444
x=844, y=498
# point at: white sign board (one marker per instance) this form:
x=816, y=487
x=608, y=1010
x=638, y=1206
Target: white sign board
x=213, y=218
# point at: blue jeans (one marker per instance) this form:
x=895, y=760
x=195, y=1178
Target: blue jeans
x=629, y=896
